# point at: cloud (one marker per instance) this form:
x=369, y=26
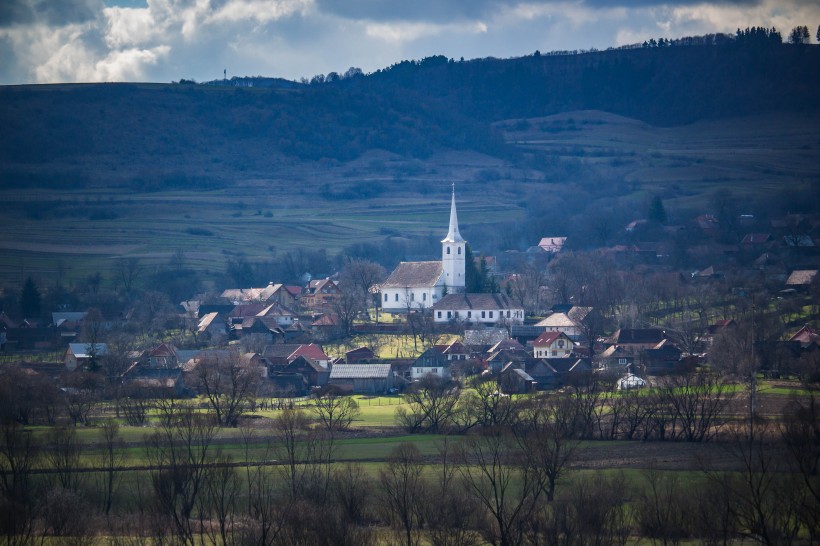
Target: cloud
x=51, y=12
x=164, y=40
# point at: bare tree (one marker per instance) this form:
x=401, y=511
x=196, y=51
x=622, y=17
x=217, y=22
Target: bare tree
x=179, y=451
x=19, y=452
x=306, y=454
x=699, y=400
x=335, y=411
x=432, y=402
x=548, y=439
x=358, y=277
x=128, y=270
x=81, y=394
x=217, y=506
x=63, y=451
x=498, y=475
x=229, y=386
x=111, y=458
x=491, y=406
x=403, y=492
x=663, y=515
x=451, y=513
x=800, y=432
x=766, y=503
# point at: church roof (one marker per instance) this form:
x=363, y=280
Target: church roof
x=453, y=235
x=414, y=274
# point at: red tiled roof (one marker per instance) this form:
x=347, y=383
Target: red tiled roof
x=547, y=338
x=311, y=351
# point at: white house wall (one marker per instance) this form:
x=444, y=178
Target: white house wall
x=485, y=316
x=397, y=299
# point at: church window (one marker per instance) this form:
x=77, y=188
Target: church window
x=448, y=250
x=484, y=314
x=385, y=297
x=439, y=314
x=491, y=314
x=508, y=314
x=412, y=296
x=449, y=314
x=424, y=297
x=469, y=314
x=397, y=297
x=459, y=250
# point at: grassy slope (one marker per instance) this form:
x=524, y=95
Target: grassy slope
x=753, y=156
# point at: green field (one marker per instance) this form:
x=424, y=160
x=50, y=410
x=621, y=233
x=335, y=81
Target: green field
x=261, y=218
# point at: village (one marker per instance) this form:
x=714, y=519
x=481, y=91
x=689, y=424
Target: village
x=598, y=387
x=620, y=314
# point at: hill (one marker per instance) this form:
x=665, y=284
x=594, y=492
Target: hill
x=540, y=144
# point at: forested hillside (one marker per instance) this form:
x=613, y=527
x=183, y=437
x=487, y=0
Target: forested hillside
x=82, y=133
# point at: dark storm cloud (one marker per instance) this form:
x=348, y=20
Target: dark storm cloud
x=51, y=12
x=418, y=10
x=454, y=10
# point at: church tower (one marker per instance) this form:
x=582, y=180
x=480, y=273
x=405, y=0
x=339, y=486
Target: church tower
x=452, y=252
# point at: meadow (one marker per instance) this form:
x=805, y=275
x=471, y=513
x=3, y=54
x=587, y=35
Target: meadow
x=68, y=233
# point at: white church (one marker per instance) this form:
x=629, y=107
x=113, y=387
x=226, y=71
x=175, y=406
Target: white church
x=419, y=285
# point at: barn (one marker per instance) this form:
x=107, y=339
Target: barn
x=362, y=378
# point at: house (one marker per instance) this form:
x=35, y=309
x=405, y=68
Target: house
x=272, y=293
x=665, y=357
x=267, y=327
x=567, y=368
x=552, y=344
x=615, y=357
x=562, y=322
x=163, y=356
x=514, y=380
x=359, y=356
x=801, y=278
x=288, y=384
x=806, y=337
x=544, y=375
x=81, y=354
x=552, y=245
x=638, y=339
x=69, y=323
x=362, y=378
x=321, y=294
x=430, y=361
x=478, y=308
x=419, y=285
x=255, y=361
x=282, y=354
x=756, y=239
x=630, y=381
x=484, y=337
x=211, y=328
x=154, y=382
x=455, y=350
x=315, y=374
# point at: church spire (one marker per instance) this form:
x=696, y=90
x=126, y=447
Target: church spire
x=453, y=236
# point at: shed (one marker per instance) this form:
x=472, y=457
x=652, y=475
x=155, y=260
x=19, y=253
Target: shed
x=362, y=378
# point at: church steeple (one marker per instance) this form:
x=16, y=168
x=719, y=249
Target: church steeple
x=453, y=252
x=453, y=236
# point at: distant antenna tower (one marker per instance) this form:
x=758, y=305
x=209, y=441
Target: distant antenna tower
x=224, y=73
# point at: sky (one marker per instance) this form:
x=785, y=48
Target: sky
x=52, y=41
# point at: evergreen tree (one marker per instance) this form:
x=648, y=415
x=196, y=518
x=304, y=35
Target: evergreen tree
x=657, y=212
x=30, y=299
x=477, y=278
